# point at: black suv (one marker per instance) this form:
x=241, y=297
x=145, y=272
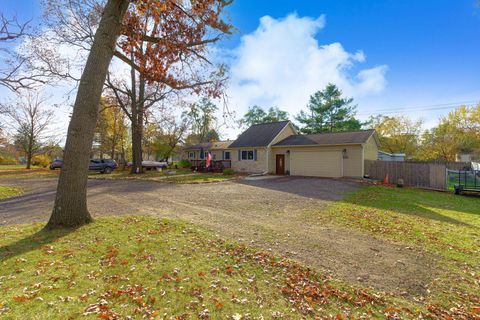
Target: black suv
x=56, y=164
x=101, y=165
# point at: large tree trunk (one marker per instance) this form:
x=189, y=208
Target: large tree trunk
x=114, y=137
x=30, y=147
x=29, y=159
x=137, y=122
x=137, y=133
x=29, y=153
x=70, y=208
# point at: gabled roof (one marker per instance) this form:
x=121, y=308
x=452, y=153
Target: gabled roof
x=259, y=135
x=215, y=145
x=219, y=145
x=203, y=145
x=334, y=138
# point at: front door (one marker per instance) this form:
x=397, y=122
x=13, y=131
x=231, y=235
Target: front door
x=280, y=164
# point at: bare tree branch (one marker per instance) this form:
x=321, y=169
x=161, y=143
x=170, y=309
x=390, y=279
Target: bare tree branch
x=30, y=122
x=14, y=73
x=11, y=28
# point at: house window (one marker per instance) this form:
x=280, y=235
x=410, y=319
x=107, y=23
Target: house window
x=214, y=156
x=227, y=155
x=191, y=155
x=205, y=154
x=247, y=154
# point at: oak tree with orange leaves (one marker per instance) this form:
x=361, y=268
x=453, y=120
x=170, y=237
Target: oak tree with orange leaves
x=167, y=58
x=156, y=38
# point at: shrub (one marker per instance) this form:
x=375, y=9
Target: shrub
x=41, y=160
x=184, y=163
x=228, y=172
x=4, y=159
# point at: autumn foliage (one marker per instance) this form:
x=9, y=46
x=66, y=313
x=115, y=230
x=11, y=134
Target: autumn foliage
x=166, y=41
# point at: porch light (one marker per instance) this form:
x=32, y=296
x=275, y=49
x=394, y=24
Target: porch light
x=344, y=154
x=288, y=151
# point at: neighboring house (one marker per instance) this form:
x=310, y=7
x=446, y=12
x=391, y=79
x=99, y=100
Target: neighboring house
x=277, y=148
x=218, y=149
x=466, y=157
x=174, y=157
x=385, y=156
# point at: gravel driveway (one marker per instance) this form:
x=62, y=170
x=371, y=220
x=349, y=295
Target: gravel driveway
x=270, y=214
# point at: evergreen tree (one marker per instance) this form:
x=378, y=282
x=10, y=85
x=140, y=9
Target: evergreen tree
x=328, y=111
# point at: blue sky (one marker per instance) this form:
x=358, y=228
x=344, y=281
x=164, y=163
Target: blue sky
x=435, y=41
x=420, y=53
x=431, y=48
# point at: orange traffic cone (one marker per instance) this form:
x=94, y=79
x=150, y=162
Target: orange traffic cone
x=385, y=180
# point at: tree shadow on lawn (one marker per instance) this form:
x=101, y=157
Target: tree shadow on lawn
x=417, y=202
x=35, y=241
x=96, y=186
x=309, y=187
x=410, y=201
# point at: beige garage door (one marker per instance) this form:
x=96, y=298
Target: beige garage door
x=316, y=163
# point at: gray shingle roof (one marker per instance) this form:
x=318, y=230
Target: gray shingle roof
x=352, y=137
x=219, y=145
x=203, y=145
x=215, y=145
x=259, y=135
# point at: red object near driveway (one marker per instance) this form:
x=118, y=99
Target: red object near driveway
x=209, y=160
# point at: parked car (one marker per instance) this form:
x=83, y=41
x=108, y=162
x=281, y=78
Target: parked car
x=102, y=165
x=56, y=164
x=149, y=165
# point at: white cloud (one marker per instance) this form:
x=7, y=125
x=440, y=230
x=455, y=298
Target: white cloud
x=282, y=63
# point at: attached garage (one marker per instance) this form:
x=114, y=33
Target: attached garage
x=316, y=163
x=330, y=155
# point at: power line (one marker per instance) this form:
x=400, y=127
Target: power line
x=431, y=107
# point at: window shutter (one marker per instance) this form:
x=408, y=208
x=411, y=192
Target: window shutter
x=223, y=155
x=201, y=153
x=239, y=155
x=255, y=155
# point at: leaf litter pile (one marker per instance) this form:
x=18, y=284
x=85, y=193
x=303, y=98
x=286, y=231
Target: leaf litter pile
x=142, y=267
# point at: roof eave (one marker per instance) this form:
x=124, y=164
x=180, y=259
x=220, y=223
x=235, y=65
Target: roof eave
x=317, y=145
x=287, y=124
x=240, y=147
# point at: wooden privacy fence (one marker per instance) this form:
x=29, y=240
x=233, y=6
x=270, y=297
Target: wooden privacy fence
x=414, y=174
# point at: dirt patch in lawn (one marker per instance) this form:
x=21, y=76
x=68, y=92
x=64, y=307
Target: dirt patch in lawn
x=276, y=219
x=271, y=214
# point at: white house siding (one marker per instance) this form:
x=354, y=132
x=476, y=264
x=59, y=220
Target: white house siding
x=318, y=163
x=250, y=166
x=285, y=133
x=371, y=149
x=352, y=164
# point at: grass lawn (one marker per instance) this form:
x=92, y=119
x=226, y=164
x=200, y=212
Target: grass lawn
x=125, y=174
x=182, y=176
x=8, y=192
x=444, y=225
x=19, y=171
x=200, y=178
x=143, y=267
x=12, y=166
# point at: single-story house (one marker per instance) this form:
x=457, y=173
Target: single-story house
x=218, y=149
x=385, y=156
x=277, y=148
